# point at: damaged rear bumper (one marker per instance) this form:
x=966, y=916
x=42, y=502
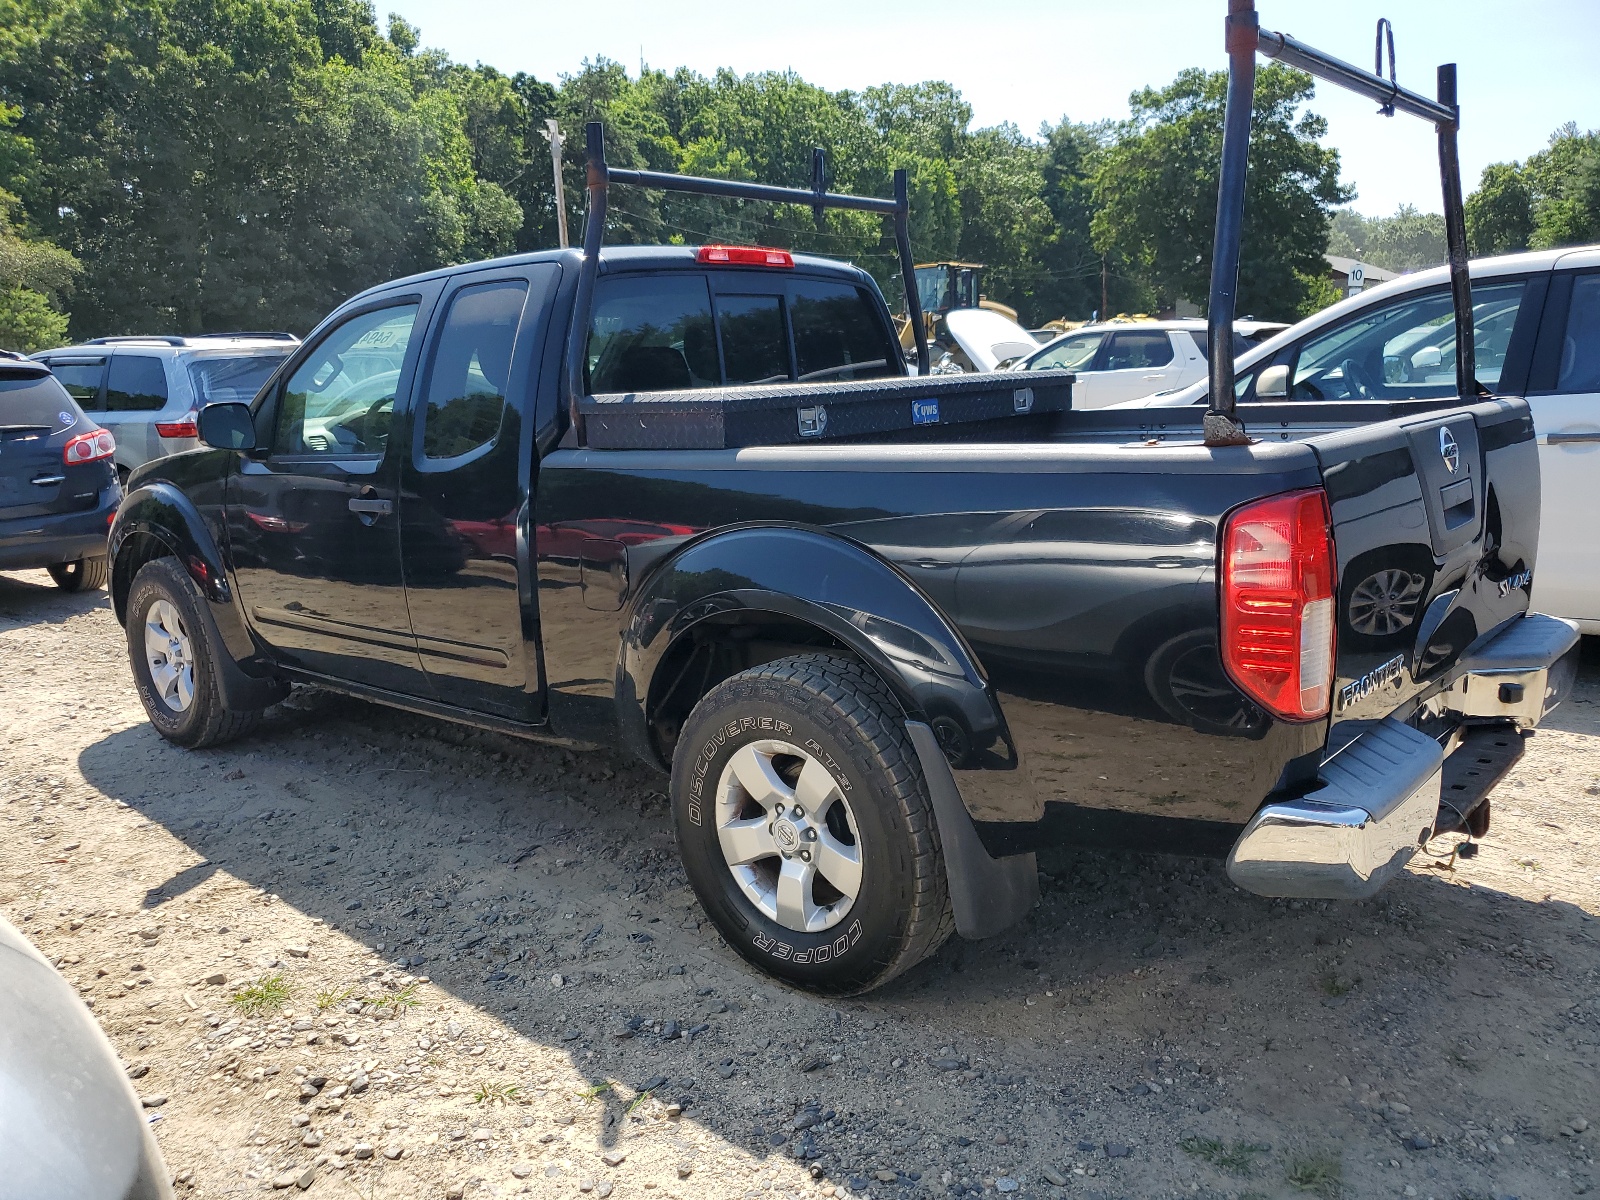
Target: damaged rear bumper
x=1379, y=796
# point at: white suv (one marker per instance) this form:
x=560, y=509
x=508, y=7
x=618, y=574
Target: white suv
x=1536, y=320
x=1123, y=360
x=147, y=390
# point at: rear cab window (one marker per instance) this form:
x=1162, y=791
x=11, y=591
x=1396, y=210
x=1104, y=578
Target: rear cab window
x=686, y=330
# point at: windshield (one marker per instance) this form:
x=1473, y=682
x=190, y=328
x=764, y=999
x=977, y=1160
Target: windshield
x=933, y=289
x=236, y=380
x=1071, y=353
x=35, y=401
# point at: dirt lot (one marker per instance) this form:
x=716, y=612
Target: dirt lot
x=369, y=954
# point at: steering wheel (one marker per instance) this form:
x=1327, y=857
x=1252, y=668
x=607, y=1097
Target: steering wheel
x=381, y=441
x=1357, y=381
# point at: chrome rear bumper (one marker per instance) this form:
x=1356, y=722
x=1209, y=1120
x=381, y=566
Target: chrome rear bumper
x=1380, y=795
x=1520, y=675
x=1344, y=841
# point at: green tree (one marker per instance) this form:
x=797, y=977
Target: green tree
x=1500, y=212
x=1407, y=241
x=1155, y=190
x=1565, y=181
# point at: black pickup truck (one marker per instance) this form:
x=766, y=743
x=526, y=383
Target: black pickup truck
x=888, y=633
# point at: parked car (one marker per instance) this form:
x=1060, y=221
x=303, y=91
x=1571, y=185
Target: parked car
x=58, y=489
x=1123, y=360
x=70, y=1122
x=1536, y=325
x=146, y=390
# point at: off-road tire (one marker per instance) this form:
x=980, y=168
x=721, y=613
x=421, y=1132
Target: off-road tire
x=85, y=575
x=847, y=719
x=207, y=721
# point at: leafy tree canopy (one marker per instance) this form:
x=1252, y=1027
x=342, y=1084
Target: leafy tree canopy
x=203, y=165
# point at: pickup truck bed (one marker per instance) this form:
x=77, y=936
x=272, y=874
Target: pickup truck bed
x=882, y=667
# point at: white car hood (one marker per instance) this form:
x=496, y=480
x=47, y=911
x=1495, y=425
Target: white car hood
x=987, y=337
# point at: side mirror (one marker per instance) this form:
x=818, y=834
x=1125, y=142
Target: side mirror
x=1427, y=357
x=1273, y=382
x=227, y=426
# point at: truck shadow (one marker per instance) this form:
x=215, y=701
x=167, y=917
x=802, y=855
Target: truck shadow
x=1143, y=1001
x=31, y=598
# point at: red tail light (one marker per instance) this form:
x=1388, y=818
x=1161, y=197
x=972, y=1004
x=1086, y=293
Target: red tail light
x=184, y=427
x=745, y=256
x=89, y=447
x=1278, y=601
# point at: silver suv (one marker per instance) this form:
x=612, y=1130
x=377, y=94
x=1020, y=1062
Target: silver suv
x=147, y=390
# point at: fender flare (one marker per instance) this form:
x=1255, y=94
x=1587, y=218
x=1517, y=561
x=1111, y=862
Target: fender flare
x=823, y=580
x=160, y=511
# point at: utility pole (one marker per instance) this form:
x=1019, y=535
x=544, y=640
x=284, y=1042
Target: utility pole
x=1105, y=304
x=554, y=129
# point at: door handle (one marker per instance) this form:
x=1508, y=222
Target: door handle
x=1570, y=439
x=47, y=480
x=932, y=564
x=368, y=511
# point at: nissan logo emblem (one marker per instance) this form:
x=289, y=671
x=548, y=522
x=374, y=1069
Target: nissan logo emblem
x=1448, y=450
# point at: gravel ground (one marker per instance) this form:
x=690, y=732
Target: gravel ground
x=368, y=953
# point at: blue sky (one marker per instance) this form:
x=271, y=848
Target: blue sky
x=1525, y=67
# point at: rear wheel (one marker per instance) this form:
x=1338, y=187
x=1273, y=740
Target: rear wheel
x=84, y=575
x=805, y=825
x=174, y=661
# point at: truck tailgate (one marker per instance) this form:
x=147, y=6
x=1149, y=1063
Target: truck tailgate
x=1435, y=521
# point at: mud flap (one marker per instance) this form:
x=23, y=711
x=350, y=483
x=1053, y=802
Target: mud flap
x=988, y=895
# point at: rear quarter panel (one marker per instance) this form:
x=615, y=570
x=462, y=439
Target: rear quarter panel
x=1075, y=635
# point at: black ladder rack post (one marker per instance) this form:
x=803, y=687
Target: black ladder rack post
x=600, y=178
x=1245, y=39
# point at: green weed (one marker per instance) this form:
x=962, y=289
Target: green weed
x=266, y=995
x=1236, y=1159
x=1319, y=1173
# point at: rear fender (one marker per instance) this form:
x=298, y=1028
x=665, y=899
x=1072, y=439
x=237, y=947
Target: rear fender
x=833, y=585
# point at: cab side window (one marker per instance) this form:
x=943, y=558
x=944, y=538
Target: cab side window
x=137, y=383
x=339, y=403
x=652, y=333
x=1579, y=370
x=1138, y=351
x=467, y=382
x=1406, y=349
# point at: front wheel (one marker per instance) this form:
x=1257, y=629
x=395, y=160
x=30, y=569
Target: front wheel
x=805, y=825
x=84, y=575
x=174, y=661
